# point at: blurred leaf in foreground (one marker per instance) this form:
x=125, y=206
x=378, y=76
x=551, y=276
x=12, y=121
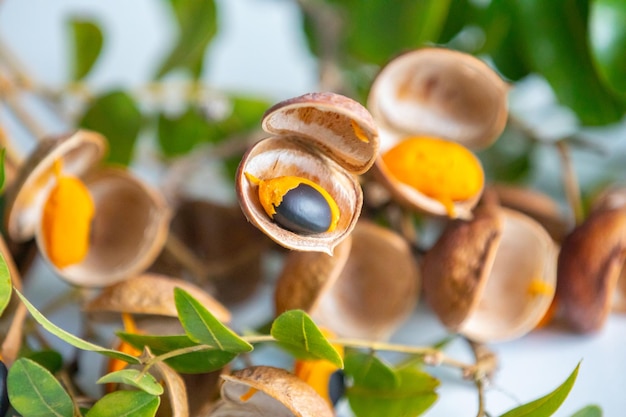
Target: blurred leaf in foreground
x=87, y=41
x=116, y=116
x=6, y=286
x=589, y=411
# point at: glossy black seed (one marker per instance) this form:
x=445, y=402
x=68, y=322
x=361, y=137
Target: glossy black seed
x=304, y=210
x=4, y=395
x=336, y=386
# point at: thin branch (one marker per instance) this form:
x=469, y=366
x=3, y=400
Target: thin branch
x=570, y=181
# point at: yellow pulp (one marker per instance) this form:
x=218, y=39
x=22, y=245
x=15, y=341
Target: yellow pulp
x=539, y=287
x=442, y=170
x=271, y=194
x=66, y=220
x=317, y=372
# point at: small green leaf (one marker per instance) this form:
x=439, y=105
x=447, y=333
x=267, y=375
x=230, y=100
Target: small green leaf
x=190, y=363
x=70, y=338
x=135, y=378
x=5, y=284
x=125, y=404
x=35, y=392
x=411, y=395
x=607, y=34
x=548, y=404
x=115, y=115
x=2, y=156
x=202, y=327
x=296, y=332
x=88, y=41
x=369, y=371
x=197, y=22
x=589, y=411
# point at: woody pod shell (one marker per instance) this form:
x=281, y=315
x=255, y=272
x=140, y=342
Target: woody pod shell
x=324, y=137
x=439, y=93
x=131, y=219
x=492, y=278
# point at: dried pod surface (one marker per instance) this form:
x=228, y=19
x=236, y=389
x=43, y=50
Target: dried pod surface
x=151, y=294
x=264, y=391
x=589, y=267
x=77, y=152
x=321, y=140
x=365, y=290
x=439, y=92
x=128, y=230
x=492, y=278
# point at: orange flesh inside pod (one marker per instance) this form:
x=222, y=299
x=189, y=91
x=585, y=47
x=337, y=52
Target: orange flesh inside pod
x=66, y=220
x=442, y=170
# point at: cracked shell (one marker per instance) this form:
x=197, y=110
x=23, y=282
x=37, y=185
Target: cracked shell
x=325, y=138
x=442, y=94
x=264, y=391
x=492, y=278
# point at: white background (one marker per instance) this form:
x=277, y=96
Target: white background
x=259, y=49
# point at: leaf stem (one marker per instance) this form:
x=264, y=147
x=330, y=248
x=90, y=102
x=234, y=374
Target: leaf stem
x=570, y=181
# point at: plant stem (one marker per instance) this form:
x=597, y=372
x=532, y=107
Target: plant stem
x=570, y=181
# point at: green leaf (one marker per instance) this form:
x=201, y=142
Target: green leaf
x=34, y=391
x=296, y=332
x=411, y=395
x=5, y=284
x=607, y=35
x=197, y=22
x=135, y=378
x=179, y=135
x=555, y=43
x=369, y=371
x=589, y=411
x=118, y=118
x=125, y=404
x=49, y=359
x=70, y=338
x=195, y=362
x=202, y=327
x=88, y=41
x=548, y=404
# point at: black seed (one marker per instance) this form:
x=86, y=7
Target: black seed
x=4, y=395
x=336, y=386
x=303, y=210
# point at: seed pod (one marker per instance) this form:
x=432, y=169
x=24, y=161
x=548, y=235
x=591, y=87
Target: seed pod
x=437, y=96
x=321, y=140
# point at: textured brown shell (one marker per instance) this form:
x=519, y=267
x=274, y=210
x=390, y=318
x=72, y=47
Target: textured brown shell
x=439, y=92
x=332, y=124
x=151, y=294
x=282, y=155
x=278, y=394
x=78, y=152
x=128, y=231
x=366, y=290
x=590, y=262
x=477, y=275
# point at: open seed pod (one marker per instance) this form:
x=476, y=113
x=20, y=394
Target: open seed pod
x=130, y=220
x=325, y=139
x=590, y=269
x=365, y=290
x=449, y=102
x=492, y=278
x=264, y=391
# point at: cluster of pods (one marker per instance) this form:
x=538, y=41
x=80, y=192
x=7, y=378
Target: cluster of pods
x=504, y=261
